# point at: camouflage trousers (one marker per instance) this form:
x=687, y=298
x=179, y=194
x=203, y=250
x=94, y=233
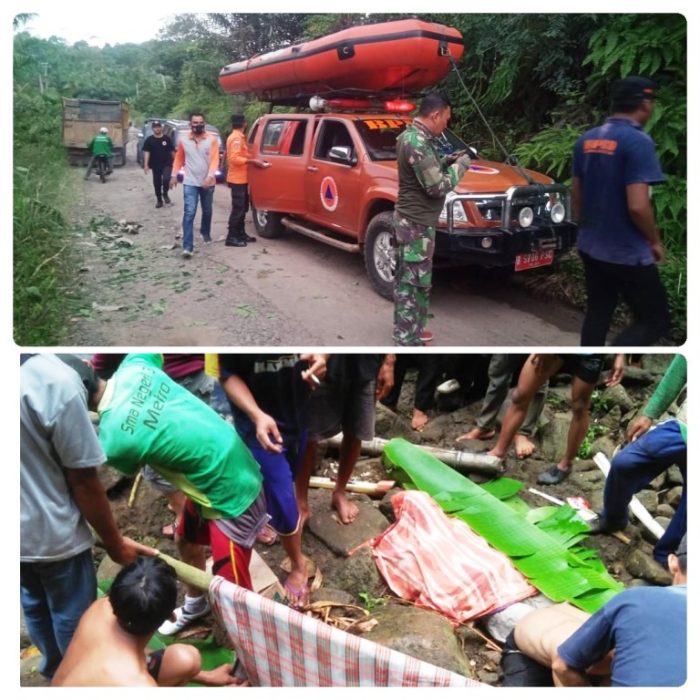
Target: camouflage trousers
x=414, y=273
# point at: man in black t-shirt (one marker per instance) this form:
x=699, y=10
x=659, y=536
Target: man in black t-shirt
x=158, y=152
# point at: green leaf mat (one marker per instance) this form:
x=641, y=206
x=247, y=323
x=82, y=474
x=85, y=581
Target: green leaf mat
x=546, y=553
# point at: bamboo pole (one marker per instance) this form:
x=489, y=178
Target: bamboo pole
x=368, y=487
x=457, y=459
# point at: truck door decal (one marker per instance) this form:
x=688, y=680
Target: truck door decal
x=329, y=193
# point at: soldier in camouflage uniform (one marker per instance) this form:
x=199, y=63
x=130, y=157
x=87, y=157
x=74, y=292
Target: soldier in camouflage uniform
x=425, y=178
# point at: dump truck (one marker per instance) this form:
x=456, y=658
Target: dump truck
x=82, y=119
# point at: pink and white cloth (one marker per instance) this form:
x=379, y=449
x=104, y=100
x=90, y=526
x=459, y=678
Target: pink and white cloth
x=279, y=646
x=440, y=564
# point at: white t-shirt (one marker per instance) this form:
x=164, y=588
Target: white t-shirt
x=55, y=433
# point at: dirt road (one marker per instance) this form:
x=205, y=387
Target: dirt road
x=290, y=291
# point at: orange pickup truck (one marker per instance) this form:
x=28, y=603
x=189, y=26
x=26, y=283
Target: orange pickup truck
x=333, y=177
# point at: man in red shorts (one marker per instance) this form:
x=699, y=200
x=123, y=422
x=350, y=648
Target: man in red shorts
x=146, y=417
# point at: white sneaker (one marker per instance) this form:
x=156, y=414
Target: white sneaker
x=448, y=387
x=186, y=253
x=182, y=619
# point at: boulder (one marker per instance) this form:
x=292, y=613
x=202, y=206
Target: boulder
x=649, y=499
x=673, y=496
x=664, y=522
x=665, y=511
x=612, y=419
x=419, y=633
x=641, y=565
x=617, y=397
x=334, y=595
x=553, y=436
x=340, y=538
x=637, y=377
x=674, y=476
x=656, y=364
x=357, y=574
x=604, y=444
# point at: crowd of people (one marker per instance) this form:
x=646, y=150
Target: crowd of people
x=237, y=479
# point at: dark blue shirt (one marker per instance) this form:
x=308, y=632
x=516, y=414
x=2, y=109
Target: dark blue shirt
x=647, y=628
x=607, y=159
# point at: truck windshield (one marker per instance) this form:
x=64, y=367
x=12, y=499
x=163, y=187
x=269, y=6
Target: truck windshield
x=380, y=133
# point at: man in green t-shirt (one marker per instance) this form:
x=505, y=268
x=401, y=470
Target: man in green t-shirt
x=146, y=417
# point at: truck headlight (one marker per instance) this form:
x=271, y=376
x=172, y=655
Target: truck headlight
x=459, y=216
x=525, y=217
x=558, y=213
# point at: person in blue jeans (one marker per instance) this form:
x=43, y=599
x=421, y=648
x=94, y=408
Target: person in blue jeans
x=651, y=451
x=60, y=494
x=198, y=153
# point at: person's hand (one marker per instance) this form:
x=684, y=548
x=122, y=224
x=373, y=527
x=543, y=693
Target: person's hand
x=464, y=160
x=145, y=170
x=317, y=368
x=385, y=378
x=617, y=371
x=209, y=181
x=259, y=163
x=126, y=550
x=173, y=183
x=268, y=433
x=658, y=251
x=638, y=427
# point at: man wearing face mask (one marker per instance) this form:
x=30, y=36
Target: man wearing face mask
x=425, y=178
x=158, y=152
x=198, y=152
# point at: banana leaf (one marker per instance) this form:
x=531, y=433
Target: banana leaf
x=547, y=554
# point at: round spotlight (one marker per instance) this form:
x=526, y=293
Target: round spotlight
x=526, y=217
x=486, y=242
x=558, y=213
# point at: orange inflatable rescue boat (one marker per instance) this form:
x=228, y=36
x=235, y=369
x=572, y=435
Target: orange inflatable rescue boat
x=390, y=59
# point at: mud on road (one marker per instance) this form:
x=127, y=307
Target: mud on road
x=135, y=289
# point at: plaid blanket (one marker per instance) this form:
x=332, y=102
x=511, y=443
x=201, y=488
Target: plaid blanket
x=440, y=564
x=278, y=646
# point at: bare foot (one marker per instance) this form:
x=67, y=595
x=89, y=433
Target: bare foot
x=347, y=510
x=296, y=588
x=478, y=434
x=419, y=420
x=524, y=447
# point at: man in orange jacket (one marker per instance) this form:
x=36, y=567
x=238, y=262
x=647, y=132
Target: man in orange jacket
x=238, y=157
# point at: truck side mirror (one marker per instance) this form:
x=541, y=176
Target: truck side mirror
x=342, y=154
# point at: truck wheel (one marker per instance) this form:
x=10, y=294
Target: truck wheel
x=380, y=254
x=268, y=224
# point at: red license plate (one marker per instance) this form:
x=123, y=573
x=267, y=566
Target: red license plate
x=527, y=261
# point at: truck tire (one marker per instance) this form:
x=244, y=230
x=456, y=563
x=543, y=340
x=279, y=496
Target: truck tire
x=380, y=254
x=268, y=224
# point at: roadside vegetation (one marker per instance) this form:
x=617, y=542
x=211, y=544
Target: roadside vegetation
x=540, y=79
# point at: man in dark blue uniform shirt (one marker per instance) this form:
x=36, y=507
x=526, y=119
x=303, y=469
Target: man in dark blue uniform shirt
x=619, y=243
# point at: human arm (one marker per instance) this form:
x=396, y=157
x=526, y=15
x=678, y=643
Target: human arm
x=146, y=160
x=91, y=499
x=576, y=198
x=642, y=214
x=617, y=371
x=266, y=429
x=177, y=163
x=210, y=179
x=566, y=676
x=385, y=378
x=670, y=386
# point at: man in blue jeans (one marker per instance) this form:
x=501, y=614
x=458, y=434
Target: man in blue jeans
x=198, y=153
x=60, y=493
x=650, y=452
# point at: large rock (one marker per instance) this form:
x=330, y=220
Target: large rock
x=673, y=497
x=649, y=499
x=389, y=424
x=641, y=565
x=635, y=376
x=657, y=364
x=665, y=511
x=674, y=476
x=340, y=538
x=617, y=396
x=659, y=519
x=604, y=444
x=357, y=574
x=419, y=633
x=553, y=436
x=612, y=419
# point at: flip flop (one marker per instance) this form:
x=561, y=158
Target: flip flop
x=301, y=595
